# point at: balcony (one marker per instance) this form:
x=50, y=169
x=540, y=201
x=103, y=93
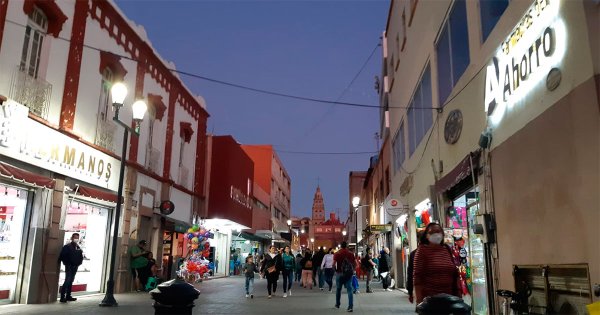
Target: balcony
x=105, y=133
x=183, y=176
x=152, y=159
x=31, y=92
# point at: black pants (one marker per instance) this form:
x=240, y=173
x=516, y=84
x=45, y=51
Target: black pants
x=272, y=282
x=65, y=290
x=329, y=273
x=299, y=275
x=143, y=274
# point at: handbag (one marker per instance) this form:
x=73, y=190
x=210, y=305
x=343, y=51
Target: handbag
x=271, y=269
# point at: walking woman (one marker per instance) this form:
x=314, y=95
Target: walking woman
x=327, y=267
x=299, y=268
x=271, y=267
x=289, y=263
x=434, y=269
x=307, y=269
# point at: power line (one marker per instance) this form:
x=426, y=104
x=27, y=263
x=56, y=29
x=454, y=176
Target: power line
x=244, y=87
x=324, y=153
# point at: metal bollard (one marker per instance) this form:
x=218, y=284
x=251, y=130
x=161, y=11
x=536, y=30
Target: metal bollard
x=443, y=304
x=174, y=297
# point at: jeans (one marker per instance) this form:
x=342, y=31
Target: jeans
x=369, y=273
x=65, y=290
x=338, y=290
x=288, y=278
x=249, y=285
x=329, y=272
x=272, y=281
x=299, y=274
x=307, y=278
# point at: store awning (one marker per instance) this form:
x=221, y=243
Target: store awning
x=97, y=194
x=9, y=171
x=460, y=172
x=253, y=237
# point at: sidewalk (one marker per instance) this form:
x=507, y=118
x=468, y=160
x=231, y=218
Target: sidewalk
x=226, y=296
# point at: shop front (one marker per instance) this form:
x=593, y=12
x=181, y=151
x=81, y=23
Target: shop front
x=43, y=202
x=462, y=232
x=91, y=222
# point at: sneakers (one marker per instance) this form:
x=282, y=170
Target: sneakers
x=349, y=310
x=63, y=300
x=389, y=290
x=337, y=306
x=71, y=299
x=321, y=289
x=269, y=297
x=247, y=295
x=290, y=292
x=251, y=296
x=285, y=295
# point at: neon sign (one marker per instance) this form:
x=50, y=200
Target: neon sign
x=534, y=46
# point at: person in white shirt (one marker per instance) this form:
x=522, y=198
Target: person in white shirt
x=327, y=267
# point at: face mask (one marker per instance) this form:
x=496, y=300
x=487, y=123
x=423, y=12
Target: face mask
x=435, y=238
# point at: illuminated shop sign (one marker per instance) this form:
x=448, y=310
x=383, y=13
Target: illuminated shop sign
x=240, y=197
x=26, y=140
x=535, y=46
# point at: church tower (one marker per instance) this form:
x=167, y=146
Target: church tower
x=318, y=209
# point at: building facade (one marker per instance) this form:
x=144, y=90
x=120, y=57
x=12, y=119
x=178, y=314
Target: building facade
x=61, y=149
x=356, y=181
x=494, y=125
x=325, y=233
x=271, y=176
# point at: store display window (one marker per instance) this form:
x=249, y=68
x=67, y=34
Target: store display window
x=91, y=222
x=13, y=207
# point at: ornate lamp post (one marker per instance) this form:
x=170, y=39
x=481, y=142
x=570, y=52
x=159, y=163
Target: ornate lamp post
x=139, y=107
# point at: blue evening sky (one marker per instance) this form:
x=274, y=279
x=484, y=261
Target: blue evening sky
x=305, y=48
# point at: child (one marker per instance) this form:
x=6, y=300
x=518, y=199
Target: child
x=249, y=269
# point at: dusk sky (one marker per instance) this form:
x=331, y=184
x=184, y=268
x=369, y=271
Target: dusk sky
x=305, y=48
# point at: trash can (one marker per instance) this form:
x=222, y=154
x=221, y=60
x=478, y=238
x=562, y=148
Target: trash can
x=174, y=297
x=443, y=304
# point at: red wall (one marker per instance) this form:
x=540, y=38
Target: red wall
x=262, y=155
x=230, y=166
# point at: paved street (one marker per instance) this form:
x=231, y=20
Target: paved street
x=226, y=296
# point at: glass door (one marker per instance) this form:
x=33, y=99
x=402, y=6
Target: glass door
x=13, y=206
x=477, y=258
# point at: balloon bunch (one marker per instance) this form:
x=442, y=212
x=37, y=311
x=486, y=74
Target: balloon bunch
x=196, y=264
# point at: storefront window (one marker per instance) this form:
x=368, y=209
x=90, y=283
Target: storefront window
x=13, y=205
x=91, y=222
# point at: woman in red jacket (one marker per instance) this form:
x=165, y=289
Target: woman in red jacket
x=434, y=268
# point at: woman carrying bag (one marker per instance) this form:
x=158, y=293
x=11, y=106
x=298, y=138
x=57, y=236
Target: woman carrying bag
x=271, y=267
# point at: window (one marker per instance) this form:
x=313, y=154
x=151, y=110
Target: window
x=420, y=116
x=105, y=98
x=398, y=147
x=37, y=26
x=491, y=11
x=452, y=50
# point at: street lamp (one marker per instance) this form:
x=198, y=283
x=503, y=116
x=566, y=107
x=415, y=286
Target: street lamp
x=118, y=93
x=312, y=241
x=289, y=222
x=344, y=232
x=355, y=201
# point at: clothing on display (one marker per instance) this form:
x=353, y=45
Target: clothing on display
x=13, y=205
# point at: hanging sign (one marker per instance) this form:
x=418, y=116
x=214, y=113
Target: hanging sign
x=27, y=140
x=380, y=227
x=525, y=57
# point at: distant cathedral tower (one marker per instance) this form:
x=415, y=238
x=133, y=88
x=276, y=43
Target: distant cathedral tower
x=318, y=209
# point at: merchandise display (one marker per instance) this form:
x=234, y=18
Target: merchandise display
x=13, y=204
x=91, y=222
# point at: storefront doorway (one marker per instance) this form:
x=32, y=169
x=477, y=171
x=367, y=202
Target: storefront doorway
x=91, y=222
x=14, y=213
x=469, y=247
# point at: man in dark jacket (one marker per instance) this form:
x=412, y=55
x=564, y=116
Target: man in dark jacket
x=385, y=265
x=317, y=260
x=71, y=256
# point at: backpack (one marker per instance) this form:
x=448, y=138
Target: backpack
x=308, y=264
x=347, y=269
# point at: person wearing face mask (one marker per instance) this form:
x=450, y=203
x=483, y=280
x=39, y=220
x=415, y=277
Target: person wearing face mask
x=71, y=256
x=434, y=269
